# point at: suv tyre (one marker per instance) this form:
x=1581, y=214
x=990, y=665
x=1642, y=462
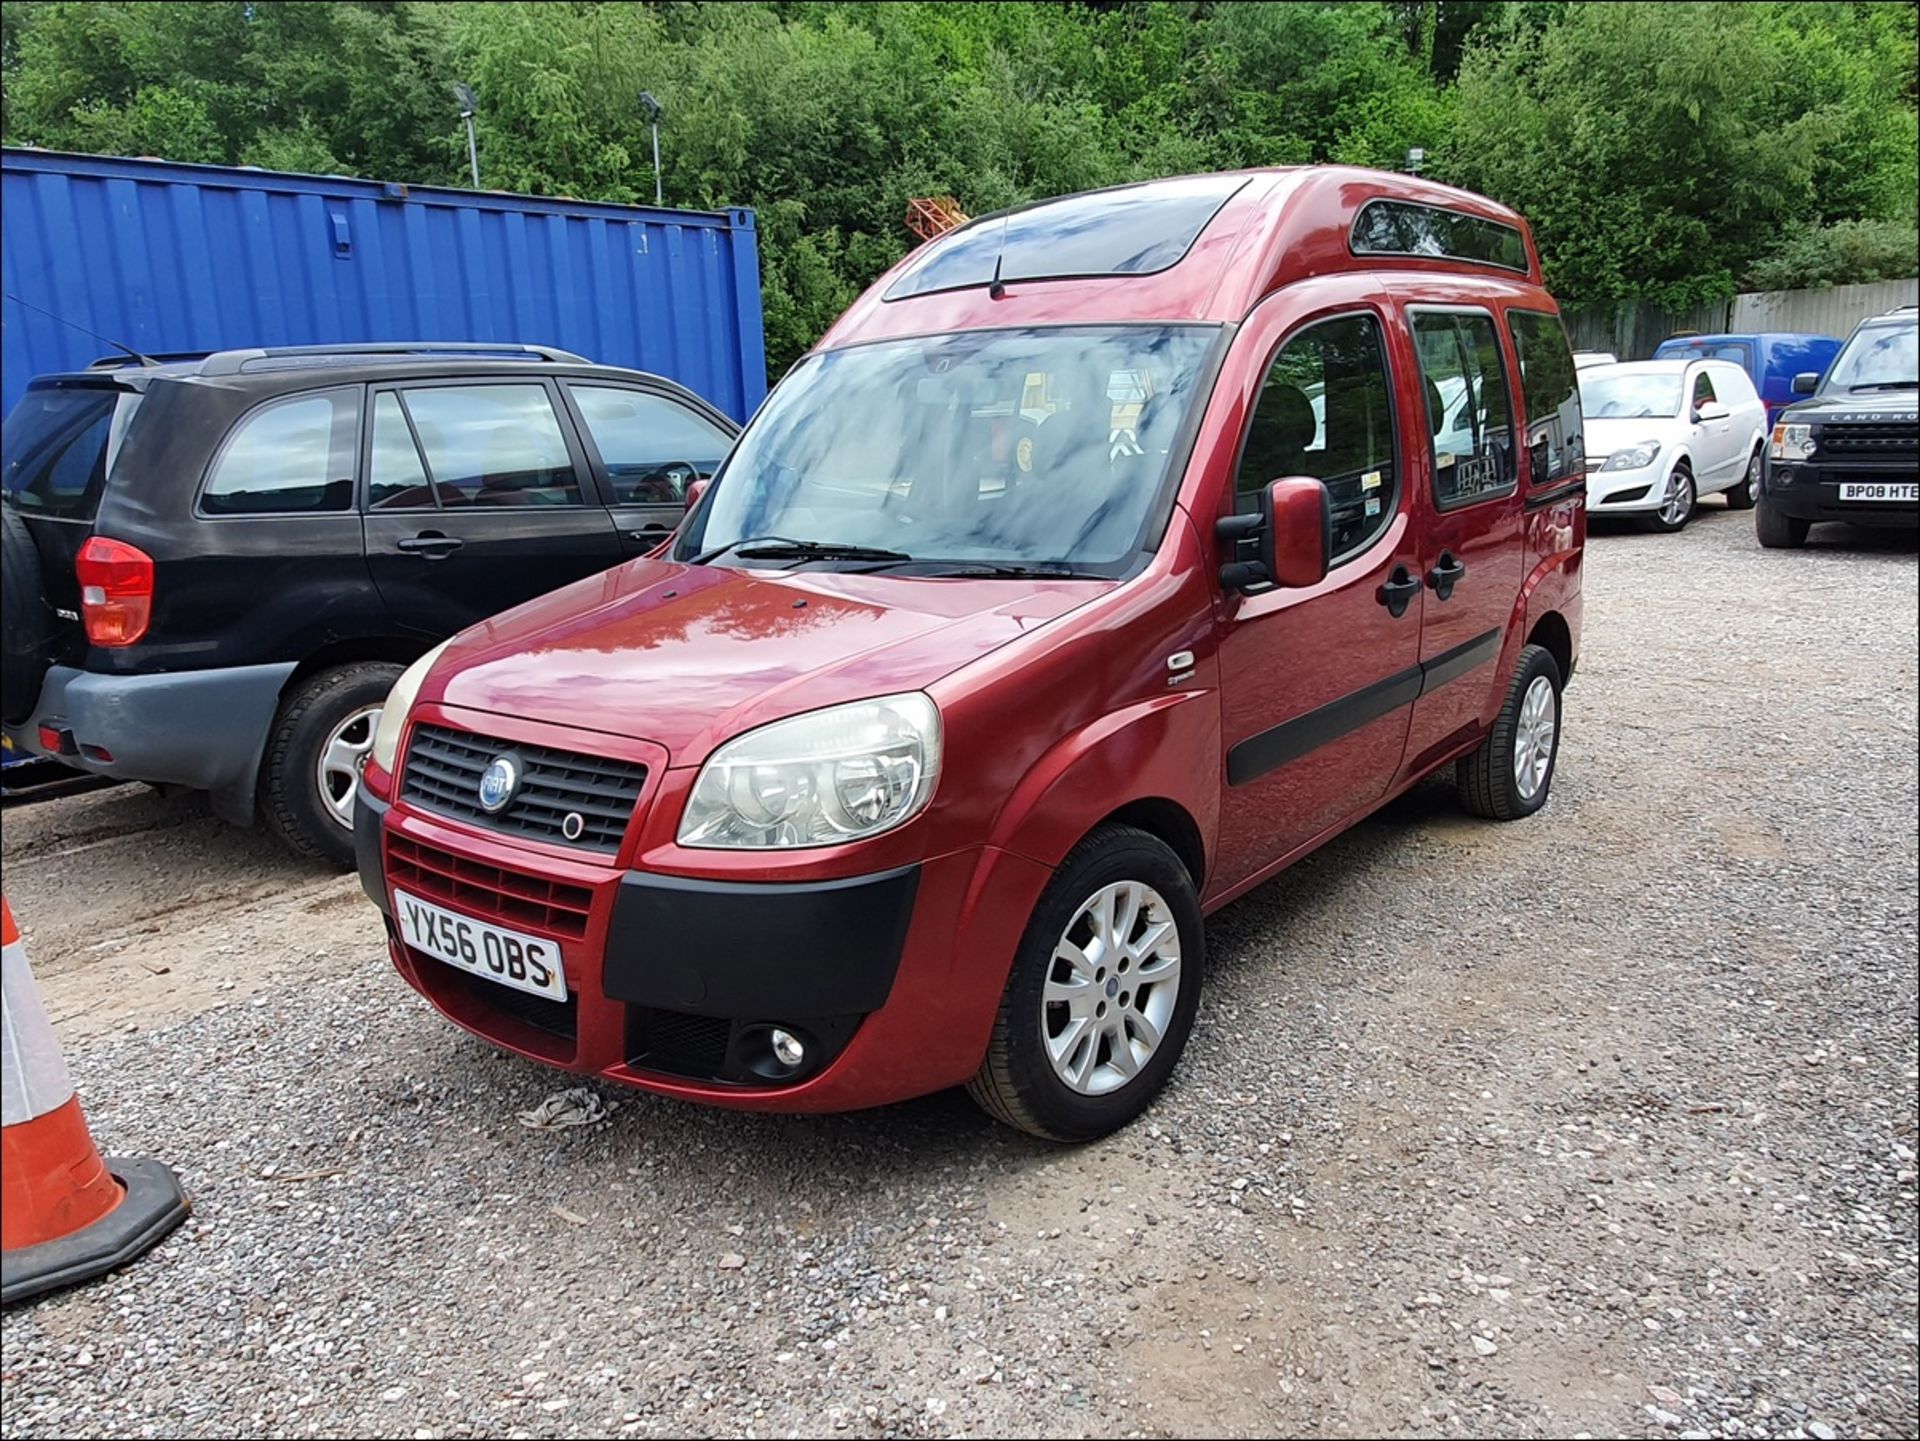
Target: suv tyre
x=309, y=776
x=1779, y=532
x=26, y=622
x=1102, y=994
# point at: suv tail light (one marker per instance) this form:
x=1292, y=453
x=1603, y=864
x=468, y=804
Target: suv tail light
x=116, y=590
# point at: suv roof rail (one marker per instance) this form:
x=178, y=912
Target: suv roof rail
x=232, y=362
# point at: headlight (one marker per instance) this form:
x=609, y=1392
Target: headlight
x=393, y=716
x=822, y=779
x=1634, y=457
x=1792, y=442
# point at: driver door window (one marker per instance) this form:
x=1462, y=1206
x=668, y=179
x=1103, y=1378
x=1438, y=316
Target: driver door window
x=1703, y=390
x=1326, y=410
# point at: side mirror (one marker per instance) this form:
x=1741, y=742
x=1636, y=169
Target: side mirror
x=695, y=489
x=1806, y=382
x=1287, y=541
x=1712, y=410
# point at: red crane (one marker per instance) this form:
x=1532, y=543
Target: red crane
x=934, y=215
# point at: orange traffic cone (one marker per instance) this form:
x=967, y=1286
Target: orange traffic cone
x=65, y=1215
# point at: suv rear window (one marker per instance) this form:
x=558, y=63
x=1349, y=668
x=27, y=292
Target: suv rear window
x=60, y=443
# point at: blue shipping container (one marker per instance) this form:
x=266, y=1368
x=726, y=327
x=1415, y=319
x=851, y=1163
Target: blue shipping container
x=166, y=257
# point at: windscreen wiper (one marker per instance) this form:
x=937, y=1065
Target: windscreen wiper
x=1007, y=570
x=1887, y=385
x=781, y=547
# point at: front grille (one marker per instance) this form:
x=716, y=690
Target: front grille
x=675, y=1041
x=1869, y=440
x=443, y=774
x=511, y=897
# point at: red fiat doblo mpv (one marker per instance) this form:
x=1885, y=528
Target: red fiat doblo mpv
x=1104, y=558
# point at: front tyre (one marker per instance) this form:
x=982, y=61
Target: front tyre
x=1742, y=496
x=1682, y=499
x=1510, y=774
x=1776, y=531
x=311, y=772
x=1102, y=994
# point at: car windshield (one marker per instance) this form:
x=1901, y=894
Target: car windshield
x=58, y=445
x=1879, y=357
x=1629, y=394
x=1008, y=447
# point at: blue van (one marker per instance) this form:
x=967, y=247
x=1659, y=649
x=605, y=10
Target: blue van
x=1772, y=358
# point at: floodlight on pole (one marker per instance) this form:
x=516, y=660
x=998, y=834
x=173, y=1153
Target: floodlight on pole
x=1416, y=157
x=468, y=105
x=651, y=109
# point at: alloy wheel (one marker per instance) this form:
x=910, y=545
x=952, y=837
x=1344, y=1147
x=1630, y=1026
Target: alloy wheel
x=1533, y=737
x=1111, y=987
x=337, y=771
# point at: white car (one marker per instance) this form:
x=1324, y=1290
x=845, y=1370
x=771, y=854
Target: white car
x=1663, y=433
x=1587, y=359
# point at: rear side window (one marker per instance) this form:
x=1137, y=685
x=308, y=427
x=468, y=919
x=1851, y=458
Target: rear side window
x=1467, y=408
x=1555, y=431
x=492, y=445
x=288, y=457
x=60, y=444
x=1326, y=410
x=650, y=446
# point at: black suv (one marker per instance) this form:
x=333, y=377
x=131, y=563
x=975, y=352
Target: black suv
x=215, y=566
x=1851, y=452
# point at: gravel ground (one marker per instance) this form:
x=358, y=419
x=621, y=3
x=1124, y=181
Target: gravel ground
x=1603, y=1122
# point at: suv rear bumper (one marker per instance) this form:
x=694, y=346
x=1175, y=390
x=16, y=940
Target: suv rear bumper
x=205, y=729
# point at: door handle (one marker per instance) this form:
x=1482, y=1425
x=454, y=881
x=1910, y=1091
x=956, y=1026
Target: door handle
x=650, y=532
x=431, y=544
x=1397, y=591
x=1446, y=574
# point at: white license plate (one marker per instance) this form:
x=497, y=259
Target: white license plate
x=1908, y=491
x=513, y=958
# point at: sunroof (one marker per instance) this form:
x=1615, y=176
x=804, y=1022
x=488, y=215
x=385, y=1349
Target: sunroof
x=1135, y=230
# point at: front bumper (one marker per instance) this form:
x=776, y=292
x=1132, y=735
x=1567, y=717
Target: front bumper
x=206, y=729
x=1627, y=492
x=1810, y=491
x=891, y=979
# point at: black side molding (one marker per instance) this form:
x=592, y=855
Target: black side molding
x=1567, y=490
x=1288, y=741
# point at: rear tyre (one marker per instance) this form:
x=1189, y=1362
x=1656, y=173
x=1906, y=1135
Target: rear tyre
x=1742, y=496
x=1102, y=994
x=1777, y=531
x=1682, y=500
x=26, y=621
x=1510, y=774
x=311, y=774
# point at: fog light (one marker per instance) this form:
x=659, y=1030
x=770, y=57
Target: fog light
x=787, y=1049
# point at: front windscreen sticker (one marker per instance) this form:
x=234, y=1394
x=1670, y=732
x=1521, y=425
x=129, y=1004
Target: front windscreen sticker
x=1373, y=505
x=1370, y=481
x=1444, y=459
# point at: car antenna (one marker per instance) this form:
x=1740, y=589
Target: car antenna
x=104, y=340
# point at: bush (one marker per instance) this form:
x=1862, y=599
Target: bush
x=1847, y=252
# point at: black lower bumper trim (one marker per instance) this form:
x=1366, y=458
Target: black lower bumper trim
x=368, y=816
x=748, y=951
